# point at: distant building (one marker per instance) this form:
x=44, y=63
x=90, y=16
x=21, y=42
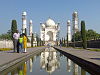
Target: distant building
x=30, y=28
x=75, y=22
x=24, y=26
x=69, y=31
x=49, y=32
x=24, y=22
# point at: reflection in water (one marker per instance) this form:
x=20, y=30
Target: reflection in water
x=22, y=69
x=30, y=64
x=83, y=72
x=49, y=60
x=75, y=69
x=25, y=69
x=68, y=65
x=15, y=72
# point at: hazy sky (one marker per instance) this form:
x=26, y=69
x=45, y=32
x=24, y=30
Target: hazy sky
x=59, y=10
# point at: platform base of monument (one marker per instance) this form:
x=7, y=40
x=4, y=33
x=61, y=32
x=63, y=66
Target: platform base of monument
x=50, y=43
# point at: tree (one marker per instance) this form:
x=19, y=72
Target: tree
x=6, y=35
x=83, y=35
x=67, y=41
x=25, y=31
x=73, y=39
x=26, y=35
x=37, y=39
x=92, y=35
x=13, y=27
x=57, y=42
x=60, y=42
x=40, y=42
x=64, y=42
x=78, y=36
x=32, y=38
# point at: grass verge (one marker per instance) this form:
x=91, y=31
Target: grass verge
x=5, y=49
x=89, y=49
x=94, y=49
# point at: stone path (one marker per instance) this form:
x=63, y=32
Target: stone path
x=88, y=59
x=9, y=58
x=91, y=56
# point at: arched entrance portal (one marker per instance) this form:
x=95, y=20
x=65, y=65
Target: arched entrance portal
x=50, y=34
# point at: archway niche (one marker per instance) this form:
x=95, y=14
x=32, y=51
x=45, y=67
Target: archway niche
x=50, y=34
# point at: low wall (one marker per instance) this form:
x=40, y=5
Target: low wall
x=90, y=44
x=6, y=44
x=93, y=44
x=9, y=44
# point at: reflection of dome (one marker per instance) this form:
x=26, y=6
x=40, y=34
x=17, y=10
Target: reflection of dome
x=50, y=22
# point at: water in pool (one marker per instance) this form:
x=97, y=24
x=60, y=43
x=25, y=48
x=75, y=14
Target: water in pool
x=48, y=62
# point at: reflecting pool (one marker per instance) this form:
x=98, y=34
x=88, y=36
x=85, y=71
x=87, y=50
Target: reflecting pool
x=48, y=62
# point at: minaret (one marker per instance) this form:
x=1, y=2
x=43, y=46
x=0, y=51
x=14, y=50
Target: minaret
x=35, y=36
x=69, y=30
x=30, y=28
x=75, y=22
x=24, y=26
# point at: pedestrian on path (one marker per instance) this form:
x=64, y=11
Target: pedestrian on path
x=60, y=45
x=16, y=36
x=20, y=43
x=24, y=42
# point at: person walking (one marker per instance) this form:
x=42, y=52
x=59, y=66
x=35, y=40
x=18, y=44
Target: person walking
x=16, y=36
x=20, y=43
x=24, y=42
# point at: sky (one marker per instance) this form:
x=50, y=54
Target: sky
x=40, y=10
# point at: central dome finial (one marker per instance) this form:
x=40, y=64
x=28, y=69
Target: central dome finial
x=50, y=22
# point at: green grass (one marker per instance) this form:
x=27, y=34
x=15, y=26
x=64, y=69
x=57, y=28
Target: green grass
x=79, y=48
x=89, y=49
x=5, y=49
x=94, y=49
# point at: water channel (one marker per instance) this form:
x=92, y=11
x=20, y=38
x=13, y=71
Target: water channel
x=48, y=62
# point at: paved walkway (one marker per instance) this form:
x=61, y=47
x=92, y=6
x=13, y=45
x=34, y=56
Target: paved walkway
x=90, y=60
x=91, y=56
x=9, y=58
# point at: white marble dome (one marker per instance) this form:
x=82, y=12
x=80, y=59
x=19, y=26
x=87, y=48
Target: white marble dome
x=43, y=25
x=30, y=21
x=24, y=13
x=50, y=22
